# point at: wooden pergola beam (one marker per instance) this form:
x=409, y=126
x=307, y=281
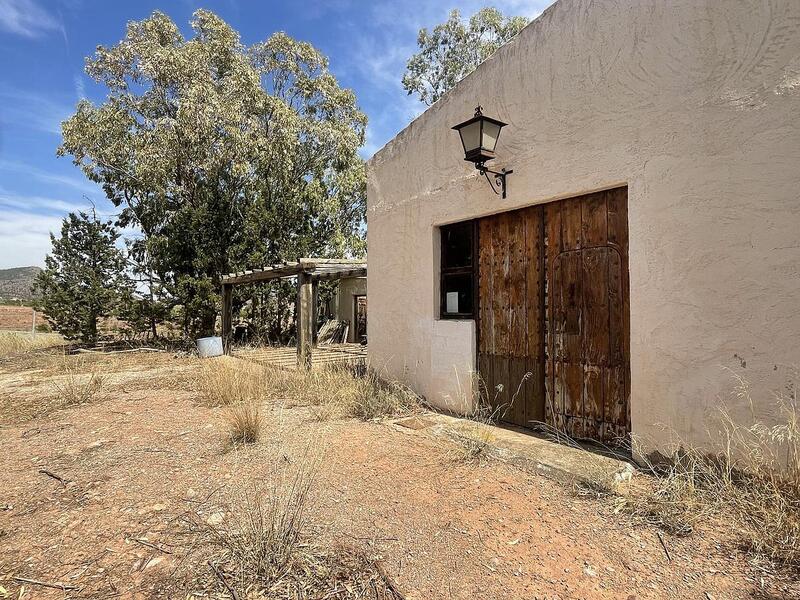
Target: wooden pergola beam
x=324, y=268
x=339, y=275
x=276, y=272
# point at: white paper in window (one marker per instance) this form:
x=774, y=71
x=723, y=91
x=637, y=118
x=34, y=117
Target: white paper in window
x=452, y=302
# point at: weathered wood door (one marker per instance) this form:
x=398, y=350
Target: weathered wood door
x=553, y=302
x=587, y=334
x=510, y=314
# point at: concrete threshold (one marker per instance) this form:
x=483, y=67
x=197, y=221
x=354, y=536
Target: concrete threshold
x=565, y=463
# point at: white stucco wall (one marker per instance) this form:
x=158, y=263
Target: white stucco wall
x=695, y=105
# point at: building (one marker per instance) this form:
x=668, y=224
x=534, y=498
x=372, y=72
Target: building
x=350, y=305
x=648, y=250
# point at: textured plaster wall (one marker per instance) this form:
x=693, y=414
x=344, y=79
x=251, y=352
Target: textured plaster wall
x=695, y=105
x=344, y=305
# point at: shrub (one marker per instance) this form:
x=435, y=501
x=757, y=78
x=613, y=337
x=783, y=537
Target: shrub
x=259, y=540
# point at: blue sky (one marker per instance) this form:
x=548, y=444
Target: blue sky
x=43, y=44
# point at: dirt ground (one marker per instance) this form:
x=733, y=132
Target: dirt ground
x=134, y=462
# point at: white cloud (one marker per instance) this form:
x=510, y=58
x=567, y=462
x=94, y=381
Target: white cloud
x=27, y=221
x=17, y=202
x=80, y=184
x=80, y=88
x=27, y=18
x=33, y=110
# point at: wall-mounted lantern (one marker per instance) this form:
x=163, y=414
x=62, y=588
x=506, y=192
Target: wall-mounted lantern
x=479, y=137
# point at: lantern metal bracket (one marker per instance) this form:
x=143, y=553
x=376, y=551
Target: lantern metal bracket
x=499, y=177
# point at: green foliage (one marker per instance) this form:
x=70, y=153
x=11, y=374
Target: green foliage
x=84, y=279
x=143, y=313
x=224, y=156
x=454, y=49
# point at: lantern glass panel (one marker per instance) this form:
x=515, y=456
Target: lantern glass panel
x=471, y=136
x=491, y=131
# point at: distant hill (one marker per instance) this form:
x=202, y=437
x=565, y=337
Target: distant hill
x=16, y=283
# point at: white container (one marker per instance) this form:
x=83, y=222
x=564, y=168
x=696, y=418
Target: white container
x=209, y=346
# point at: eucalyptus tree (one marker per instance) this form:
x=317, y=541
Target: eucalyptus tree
x=453, y=49
x=223, y=155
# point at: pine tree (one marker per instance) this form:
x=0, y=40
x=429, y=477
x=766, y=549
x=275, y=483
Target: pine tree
x=84, y=278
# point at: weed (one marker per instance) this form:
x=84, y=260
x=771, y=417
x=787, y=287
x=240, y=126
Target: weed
x=244, y=422
x=77, y=387
x=369, y=397
x=260, y=540
x=752, y=478
x=225, y=381
x=337, y=391
x=475, y=441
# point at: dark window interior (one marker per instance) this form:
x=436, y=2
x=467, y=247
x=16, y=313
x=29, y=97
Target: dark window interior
x=458, y=271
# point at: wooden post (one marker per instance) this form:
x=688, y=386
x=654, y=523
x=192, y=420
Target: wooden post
x=314, y=318
x=227, y=316
x=305, y=319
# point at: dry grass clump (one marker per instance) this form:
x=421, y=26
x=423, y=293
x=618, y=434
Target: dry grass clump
x=753, y=479
x=225, y=381
x=369, y=397
x=332, y=391
x=476, y=441
x=244, y=422
x=258, y=541
x=13, y=342
x=345, y=391
x=77, y=386
x=240, y=387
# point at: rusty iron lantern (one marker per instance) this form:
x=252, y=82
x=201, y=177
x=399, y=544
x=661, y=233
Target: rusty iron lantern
x=479, y=137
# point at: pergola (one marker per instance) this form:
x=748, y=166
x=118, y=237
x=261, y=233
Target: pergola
x=309, y=272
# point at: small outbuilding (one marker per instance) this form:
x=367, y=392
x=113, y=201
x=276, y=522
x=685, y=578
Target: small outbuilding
x=644, y=257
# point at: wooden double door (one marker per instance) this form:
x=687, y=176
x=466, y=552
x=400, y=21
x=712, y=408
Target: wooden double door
x=553, y=315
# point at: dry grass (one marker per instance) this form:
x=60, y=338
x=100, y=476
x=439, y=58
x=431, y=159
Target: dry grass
x=331, y=392
x=369, y=397
x=244, y=422
x=476, y=442
x=341, y=391
x=38, y=383
x=12, y=342
x=241, y=388
x=258, y=540
x=76, y=386
x=753, y=480
x=225, y=381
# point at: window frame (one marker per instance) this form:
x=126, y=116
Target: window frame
x=471, y=270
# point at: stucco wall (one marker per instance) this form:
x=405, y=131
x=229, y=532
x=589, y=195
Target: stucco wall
x=344, y=303
x=696, y=107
